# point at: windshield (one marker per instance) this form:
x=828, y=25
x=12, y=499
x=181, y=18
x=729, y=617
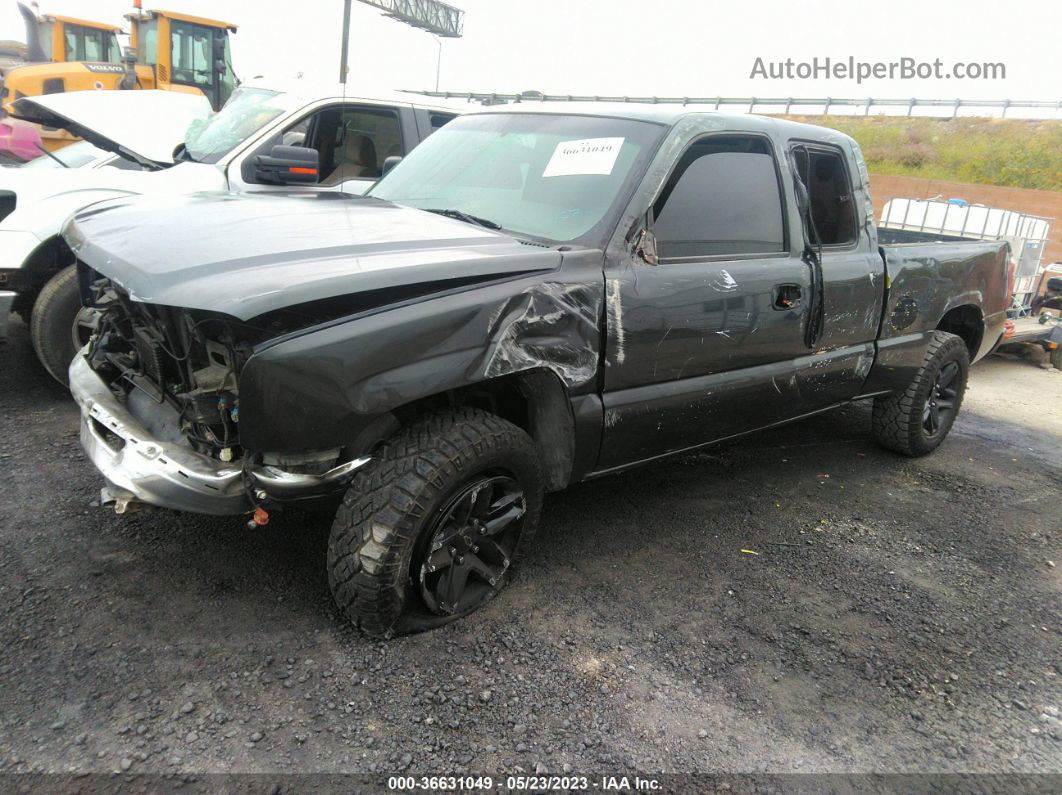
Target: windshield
x=248, y=111
x=552, y=177
x=76, y=155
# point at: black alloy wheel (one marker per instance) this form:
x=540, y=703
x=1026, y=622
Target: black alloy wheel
x=471, y=544
x=941, y=403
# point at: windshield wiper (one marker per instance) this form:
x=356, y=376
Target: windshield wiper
x=467, y=218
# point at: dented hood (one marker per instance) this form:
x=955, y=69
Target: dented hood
x=145, y=126
x=252, y=253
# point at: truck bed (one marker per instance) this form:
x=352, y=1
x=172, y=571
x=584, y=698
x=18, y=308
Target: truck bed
x=957, y=286
x=889, y=236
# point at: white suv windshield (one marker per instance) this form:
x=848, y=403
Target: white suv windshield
x=551, y=177
x=246, y=112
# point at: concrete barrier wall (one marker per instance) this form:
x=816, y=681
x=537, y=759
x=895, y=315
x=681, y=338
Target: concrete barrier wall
x=1044, y=203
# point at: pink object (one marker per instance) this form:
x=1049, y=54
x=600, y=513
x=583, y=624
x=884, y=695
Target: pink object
x=19, y=139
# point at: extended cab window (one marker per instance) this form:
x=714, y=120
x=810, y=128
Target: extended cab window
x=724, y=198
x=440, y=120
x=829, y=190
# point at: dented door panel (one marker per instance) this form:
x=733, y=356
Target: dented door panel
x=683, y=320
x=699, y=352
x=645, y=422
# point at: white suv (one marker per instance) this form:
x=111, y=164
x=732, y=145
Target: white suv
x=168, y=142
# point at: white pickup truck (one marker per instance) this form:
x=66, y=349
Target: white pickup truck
x=167, y=143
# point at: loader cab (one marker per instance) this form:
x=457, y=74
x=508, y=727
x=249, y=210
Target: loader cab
x=51, y=38
x=85, y=41
x=62, y=54
x=185, y=53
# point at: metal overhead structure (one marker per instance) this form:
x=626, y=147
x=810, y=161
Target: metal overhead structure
x=439, y=19
x=435, y=17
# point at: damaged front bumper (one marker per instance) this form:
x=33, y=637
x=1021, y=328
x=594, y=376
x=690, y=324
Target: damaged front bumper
x=139, y=468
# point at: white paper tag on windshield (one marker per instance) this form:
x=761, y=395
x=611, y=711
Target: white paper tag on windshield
x=588, y=156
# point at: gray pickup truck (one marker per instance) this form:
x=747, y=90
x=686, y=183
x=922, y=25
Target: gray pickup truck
x=532, y=298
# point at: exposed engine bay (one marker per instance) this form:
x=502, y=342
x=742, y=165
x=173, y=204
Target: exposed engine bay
x=182, y=360
x=175, y=374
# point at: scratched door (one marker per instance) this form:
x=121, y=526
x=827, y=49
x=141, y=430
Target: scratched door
x=703, y=345
x=853, y=275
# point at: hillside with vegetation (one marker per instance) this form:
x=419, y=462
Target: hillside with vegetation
x=1008, y=152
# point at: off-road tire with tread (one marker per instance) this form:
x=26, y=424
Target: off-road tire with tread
x=897, y=419
x=392, y=500
x=52, y=321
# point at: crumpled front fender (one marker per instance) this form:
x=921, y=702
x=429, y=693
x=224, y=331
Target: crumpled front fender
x=324, y=386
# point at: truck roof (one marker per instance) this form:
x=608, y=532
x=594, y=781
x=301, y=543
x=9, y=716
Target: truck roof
x=670, y=115
x=312, y=90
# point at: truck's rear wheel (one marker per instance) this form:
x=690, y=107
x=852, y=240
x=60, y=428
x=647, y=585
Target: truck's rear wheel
x=430, y=529
x=56, y=329
x=914, y=422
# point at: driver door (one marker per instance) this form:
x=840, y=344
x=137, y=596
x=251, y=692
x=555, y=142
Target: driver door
x=702, y=345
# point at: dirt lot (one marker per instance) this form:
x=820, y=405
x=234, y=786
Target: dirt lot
x=897, y=616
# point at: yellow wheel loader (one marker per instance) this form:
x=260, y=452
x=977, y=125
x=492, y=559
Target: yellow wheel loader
x=55, y=47
x=168, y=50
x=180, y=52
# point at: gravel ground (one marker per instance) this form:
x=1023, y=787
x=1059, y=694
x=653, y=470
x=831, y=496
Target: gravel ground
x=898, y=616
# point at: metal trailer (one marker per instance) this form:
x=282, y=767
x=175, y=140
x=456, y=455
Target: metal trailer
x=1045, y=331
x=945, y=219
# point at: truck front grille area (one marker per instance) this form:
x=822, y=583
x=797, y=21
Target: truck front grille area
x=175, y=369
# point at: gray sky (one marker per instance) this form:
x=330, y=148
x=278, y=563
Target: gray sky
x=663, y=47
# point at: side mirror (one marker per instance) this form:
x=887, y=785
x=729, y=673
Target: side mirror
x=389, y=163
x=218, y=52
x=288, y=165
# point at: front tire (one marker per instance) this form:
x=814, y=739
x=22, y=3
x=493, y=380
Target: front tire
x=431, y=528
x=55, y=330
x=914, y=422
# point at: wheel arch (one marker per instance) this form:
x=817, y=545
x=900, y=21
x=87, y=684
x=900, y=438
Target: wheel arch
x=537, y=401
x=967, y=322
x=45, y=261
